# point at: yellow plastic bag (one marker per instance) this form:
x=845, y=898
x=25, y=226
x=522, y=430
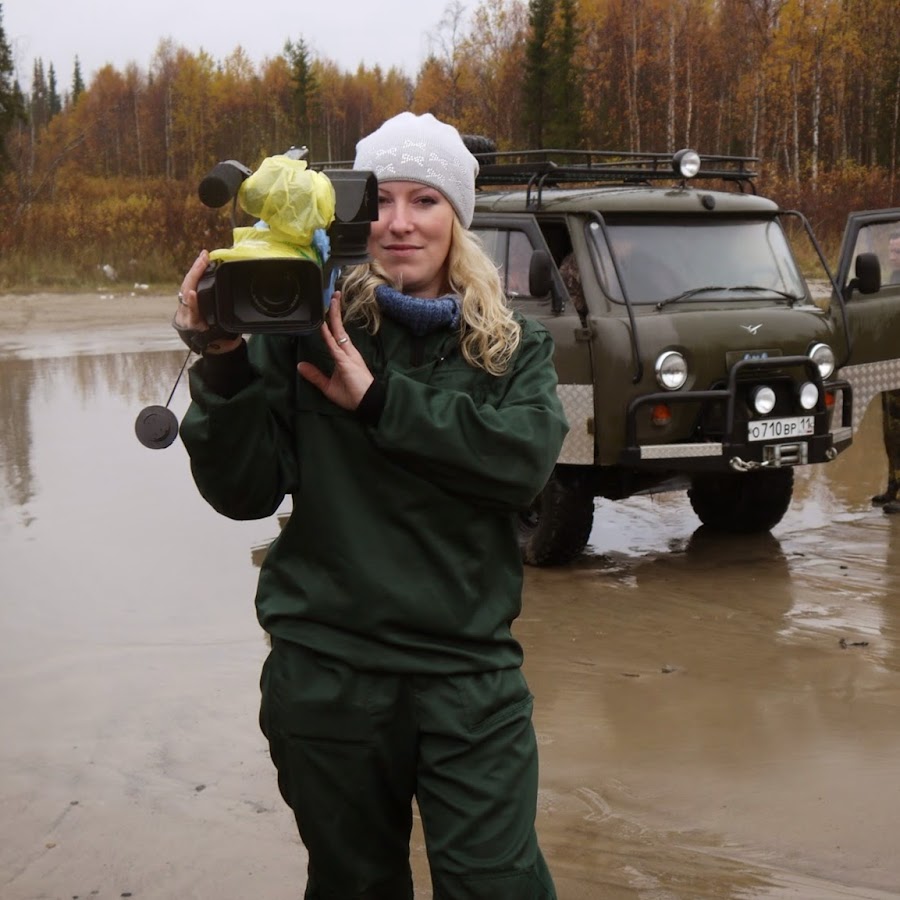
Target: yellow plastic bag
x=290, y=198
x=261, y=243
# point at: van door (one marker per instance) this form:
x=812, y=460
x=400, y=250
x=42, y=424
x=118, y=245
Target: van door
x=511, y=240
x=873, y=363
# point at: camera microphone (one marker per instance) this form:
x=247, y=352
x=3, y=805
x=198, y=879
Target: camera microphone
x=222, y=183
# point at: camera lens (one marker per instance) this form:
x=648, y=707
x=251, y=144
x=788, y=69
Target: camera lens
x=275, y=291
x=256, y=296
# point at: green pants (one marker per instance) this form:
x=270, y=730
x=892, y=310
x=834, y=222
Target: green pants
x=353, y=748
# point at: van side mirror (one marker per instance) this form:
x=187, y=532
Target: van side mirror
x=540, y=280
x=868, y=276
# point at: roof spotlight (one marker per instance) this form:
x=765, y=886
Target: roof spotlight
x=686, y=163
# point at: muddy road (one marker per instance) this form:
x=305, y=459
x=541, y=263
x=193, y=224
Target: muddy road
x=717, y=718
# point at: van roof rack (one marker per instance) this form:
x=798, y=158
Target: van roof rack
x=540, y=168
x=537, y=169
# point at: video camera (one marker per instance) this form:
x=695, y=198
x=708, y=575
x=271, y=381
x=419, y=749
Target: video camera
x=281, y=272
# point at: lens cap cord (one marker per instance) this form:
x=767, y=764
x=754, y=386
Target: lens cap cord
x=156, y=427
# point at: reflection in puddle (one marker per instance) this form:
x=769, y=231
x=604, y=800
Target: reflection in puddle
x=864, y=619
x=736, y=687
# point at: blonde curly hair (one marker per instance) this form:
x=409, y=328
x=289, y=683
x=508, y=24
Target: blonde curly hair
x=488, y=332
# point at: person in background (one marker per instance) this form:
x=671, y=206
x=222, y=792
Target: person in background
x=410, y=430
x=571, y=276
x=890, y=412
x=890, y=406
x=894, y=258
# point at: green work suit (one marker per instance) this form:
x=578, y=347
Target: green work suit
x=352, y=749
x=890, y=408
x=390, y=594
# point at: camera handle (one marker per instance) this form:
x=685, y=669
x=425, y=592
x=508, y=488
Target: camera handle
x=156, y=427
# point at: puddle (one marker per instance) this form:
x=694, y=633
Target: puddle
x=716, y=717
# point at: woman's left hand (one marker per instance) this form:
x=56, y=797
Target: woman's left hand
x=351, y=377
x=187, y=315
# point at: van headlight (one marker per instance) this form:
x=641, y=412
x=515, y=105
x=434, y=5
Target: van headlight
x=671, y=370
x=823, y=356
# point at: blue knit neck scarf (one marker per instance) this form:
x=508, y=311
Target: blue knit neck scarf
x=421, y=316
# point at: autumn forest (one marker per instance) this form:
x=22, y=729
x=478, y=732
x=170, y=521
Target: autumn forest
x=105, y=173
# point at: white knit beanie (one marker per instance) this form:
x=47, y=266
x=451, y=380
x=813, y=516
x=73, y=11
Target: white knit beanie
x=425, y=150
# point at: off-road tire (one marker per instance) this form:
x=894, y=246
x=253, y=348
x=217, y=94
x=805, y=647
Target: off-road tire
x=742, y=502
x=483, y=148
x=556, y=528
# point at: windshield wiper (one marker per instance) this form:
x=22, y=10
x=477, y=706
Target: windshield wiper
x=684, y=295
x=690, y=293
x=791, y=298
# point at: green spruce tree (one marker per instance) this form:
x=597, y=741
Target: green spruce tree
x=564, y=120
x=77, y=81
x=54, y=104
x=536, y=84
x=306, y=88
x=38, y=102
x=12, y=104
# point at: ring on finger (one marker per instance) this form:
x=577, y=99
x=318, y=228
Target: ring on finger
x=181, y=299
x=343, y=340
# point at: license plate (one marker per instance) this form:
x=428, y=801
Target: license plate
x=780, y=429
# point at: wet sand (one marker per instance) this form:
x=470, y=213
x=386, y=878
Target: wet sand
x=64, y=324
x=717, y=718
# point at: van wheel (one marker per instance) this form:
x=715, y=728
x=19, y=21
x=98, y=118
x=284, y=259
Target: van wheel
x=742, y=503
x=556, y=527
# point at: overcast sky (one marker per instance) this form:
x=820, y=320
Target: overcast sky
x=347, y=32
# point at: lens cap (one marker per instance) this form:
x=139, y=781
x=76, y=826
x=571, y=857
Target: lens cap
x=156, y=427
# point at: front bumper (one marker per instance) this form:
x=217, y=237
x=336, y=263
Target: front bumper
x=732, y=450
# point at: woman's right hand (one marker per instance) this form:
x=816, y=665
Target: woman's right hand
x=188, y=317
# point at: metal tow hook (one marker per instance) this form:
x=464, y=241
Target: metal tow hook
x=739, y=465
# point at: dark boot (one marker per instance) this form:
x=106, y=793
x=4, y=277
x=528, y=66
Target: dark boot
x=888, y=496
x=891, y=507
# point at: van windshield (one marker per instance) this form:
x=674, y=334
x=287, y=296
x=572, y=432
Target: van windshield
x=665, y=260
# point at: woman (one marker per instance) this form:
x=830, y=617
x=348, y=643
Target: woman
x=409, y=431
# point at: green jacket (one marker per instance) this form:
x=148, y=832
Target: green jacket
x=401, y=551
